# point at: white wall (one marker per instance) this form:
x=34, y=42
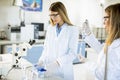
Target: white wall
x=8, y=13
x=109, y=2
x=42, y=17
x=78, y=11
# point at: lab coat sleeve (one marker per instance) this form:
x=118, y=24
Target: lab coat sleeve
x=93, y=42
x=72, y=48
x=114, y=69
x=43, y=55
x=113, y=66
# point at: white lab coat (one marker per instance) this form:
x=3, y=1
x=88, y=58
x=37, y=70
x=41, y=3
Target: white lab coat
x=62, y=48
x=113, y=71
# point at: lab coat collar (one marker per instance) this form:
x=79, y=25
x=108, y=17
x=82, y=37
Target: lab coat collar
x=115, y=43
x=63, y=26
x=63, y=29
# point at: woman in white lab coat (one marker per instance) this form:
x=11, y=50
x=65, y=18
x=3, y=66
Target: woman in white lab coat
x=111, y=50
x=60, y=45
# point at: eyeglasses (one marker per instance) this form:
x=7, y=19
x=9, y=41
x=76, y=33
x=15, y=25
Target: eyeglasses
x=106, y=17
x=53, y=15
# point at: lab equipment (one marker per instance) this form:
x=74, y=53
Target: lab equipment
x=13, y=33
x=86, y=29
x=35, y=72
x=17, y=54
x=84, y=32
x=41, y=71
x=21, y=52
x=39, y=32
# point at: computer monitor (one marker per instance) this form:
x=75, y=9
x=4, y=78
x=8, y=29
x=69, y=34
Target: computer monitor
x=38, y=30
x=39, y=26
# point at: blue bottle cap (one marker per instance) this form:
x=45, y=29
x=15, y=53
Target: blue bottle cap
x=41, y=69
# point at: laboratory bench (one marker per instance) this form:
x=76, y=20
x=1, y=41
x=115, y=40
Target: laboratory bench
x=35, y=52
x=26, y=70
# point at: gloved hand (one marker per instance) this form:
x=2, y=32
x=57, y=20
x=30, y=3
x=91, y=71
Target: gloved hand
x=52, y=68
x=85, y=28
x=81, y=58
x=39, y=68
x=40, y=63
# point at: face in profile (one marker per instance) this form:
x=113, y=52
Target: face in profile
x=55, y=17
x=107, y=22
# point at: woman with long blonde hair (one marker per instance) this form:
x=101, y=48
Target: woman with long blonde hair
x=108, y=64
x=60, y=45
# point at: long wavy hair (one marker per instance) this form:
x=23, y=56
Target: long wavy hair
x=60, y=8
x=114, y=12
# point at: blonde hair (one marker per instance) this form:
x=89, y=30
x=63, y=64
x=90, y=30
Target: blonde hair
x=114, y=12
x=60, y=8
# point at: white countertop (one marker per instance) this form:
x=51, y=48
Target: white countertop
x=8, y=42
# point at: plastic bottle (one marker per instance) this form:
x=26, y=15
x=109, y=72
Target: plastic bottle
x=40, y=71
x=33, y=74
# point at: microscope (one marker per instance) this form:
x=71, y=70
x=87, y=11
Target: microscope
x=20, y=51
x=17, y=52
